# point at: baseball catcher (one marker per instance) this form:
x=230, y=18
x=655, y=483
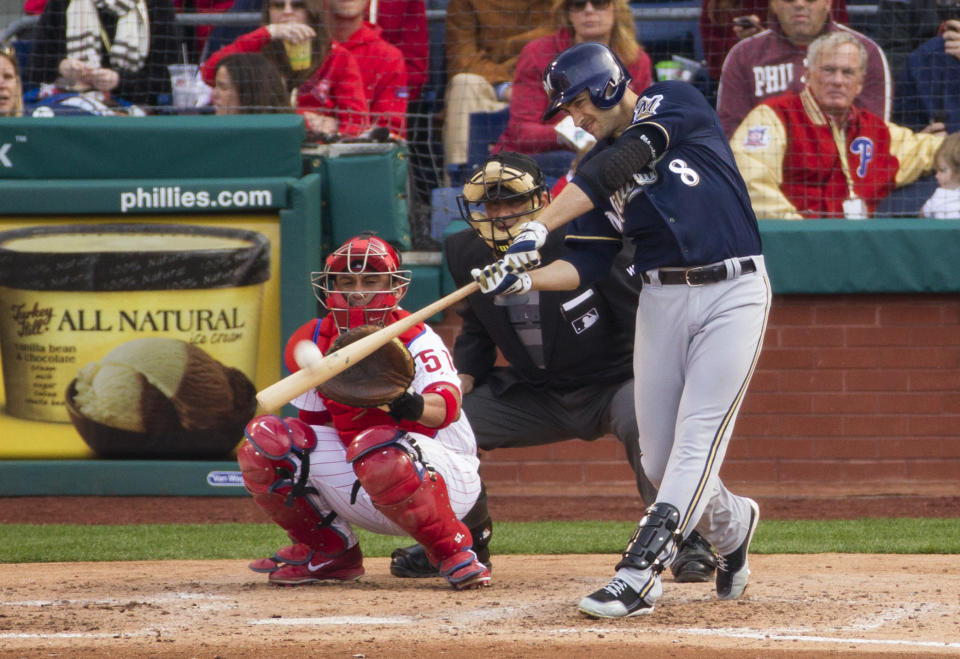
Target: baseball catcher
x=382, y=446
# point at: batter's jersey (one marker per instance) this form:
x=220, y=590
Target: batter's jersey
x=434, y=366
x=693, y=189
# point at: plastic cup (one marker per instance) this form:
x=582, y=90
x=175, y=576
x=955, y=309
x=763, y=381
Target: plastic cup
x=182, y=77
x=299, y=54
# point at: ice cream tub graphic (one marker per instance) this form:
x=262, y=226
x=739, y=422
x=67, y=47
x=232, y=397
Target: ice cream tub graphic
x=70, y=294
x=159, y=397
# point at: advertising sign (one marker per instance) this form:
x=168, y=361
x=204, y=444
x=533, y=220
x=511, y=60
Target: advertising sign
x=138, y=337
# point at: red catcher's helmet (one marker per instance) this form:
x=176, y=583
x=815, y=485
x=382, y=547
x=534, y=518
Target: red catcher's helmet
x=361, y=254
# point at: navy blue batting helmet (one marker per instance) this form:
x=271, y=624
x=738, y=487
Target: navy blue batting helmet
x=591, y=66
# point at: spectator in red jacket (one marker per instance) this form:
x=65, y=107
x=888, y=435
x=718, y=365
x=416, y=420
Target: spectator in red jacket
x=381, y=64
x=814, y=154
x=606, y=21
x=771, y=62
x=404, y=24
x=327, y=88
x=725, y=22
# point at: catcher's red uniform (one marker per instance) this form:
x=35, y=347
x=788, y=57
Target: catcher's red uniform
x=346, y=419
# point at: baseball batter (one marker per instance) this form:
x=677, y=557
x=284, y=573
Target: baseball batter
x=664, y=176
x=406, y=467
x=568, y=353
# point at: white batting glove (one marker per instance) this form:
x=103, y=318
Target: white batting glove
x=523, y=253
x=499, y=279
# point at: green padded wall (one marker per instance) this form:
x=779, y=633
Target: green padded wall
x=151, y=147
x=845, y=256
x=366, y=191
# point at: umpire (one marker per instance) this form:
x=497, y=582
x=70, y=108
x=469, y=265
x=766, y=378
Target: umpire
x=570, y=372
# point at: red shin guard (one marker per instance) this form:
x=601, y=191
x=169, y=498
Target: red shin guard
x=271, y=480
x=417, y=504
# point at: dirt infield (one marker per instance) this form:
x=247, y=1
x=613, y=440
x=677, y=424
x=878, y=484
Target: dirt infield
x=816, y=605
x=809, y=605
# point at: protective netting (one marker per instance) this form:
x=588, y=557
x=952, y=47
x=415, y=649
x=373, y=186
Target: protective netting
x=857, y=133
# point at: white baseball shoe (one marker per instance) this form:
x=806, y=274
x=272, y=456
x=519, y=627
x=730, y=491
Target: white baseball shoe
x=615, y=600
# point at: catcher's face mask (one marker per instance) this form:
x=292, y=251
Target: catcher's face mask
x=500, y=197
x=361, y=282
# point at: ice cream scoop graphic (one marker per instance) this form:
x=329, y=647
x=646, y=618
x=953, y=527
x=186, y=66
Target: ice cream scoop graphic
x=158, y=396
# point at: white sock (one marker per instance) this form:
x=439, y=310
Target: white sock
x=635, y=578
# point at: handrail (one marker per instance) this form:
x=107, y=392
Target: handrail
x=433, y=16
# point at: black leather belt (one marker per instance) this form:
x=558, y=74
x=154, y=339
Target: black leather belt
x=701, y=274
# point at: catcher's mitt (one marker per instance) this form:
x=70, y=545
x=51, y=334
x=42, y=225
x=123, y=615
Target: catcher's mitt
x=374, y=380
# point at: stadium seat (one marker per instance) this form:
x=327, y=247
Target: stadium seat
x=443, y=210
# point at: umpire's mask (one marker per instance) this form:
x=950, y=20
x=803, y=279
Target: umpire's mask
x=501, y=196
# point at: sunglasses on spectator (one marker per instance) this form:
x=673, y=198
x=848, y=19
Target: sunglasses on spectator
x=281, y=4
x=580, y=5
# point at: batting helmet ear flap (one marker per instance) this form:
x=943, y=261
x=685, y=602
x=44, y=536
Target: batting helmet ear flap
x=591, y=66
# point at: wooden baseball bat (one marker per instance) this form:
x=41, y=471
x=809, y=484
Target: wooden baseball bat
x=282, y=392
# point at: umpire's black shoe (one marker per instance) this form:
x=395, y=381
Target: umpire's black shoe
x=412, y=562
x=733, y=570
x=695, y=561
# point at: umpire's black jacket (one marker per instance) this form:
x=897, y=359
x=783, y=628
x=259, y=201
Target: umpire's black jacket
x=590, y=342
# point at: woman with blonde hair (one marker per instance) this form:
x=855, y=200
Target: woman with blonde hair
x=609, y=22
x=324, y=78
x=11, y=89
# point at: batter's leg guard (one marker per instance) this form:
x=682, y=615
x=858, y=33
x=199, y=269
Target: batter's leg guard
x=653, y=543
x=649, y=552
x=415, y=498
x=412, y=562
x=275, y=465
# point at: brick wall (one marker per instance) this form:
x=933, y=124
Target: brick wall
x=849, y=389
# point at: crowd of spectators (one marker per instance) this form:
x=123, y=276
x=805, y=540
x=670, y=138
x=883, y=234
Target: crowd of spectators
x=483, y=41
x=815, y=153
x=770, y=63
x=350, y=67
x=325, y=83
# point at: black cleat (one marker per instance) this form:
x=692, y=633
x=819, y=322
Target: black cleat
x=411, y=563
x=695, y=562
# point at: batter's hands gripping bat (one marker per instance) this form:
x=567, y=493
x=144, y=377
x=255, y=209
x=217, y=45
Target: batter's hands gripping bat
x=313, y=375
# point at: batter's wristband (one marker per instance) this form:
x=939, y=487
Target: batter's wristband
x=450, y=398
